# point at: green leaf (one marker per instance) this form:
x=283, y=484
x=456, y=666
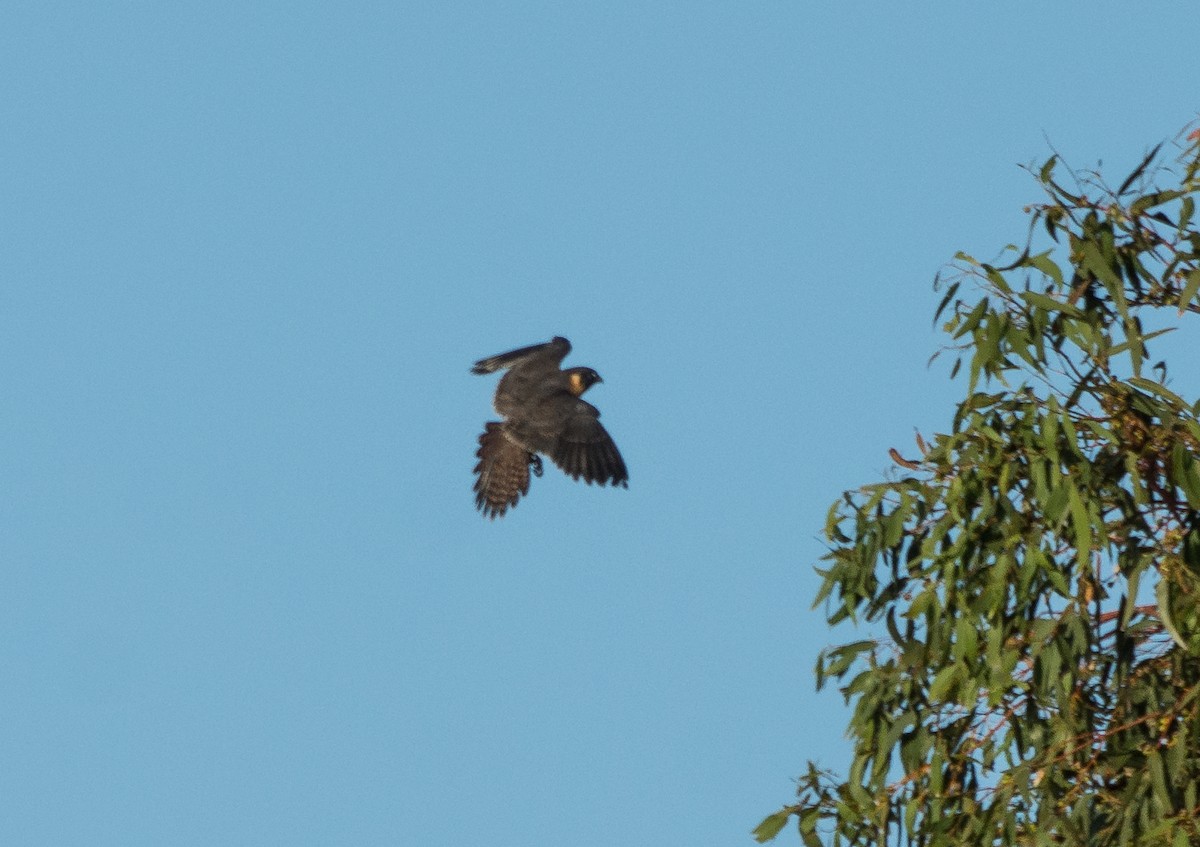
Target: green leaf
x=1046, y=265
x=833, y=531
x=1134, y=344
x=1082, y=525
x=1177, y=749
x=1055, y=508
x=943, y=682
x=1058, y=580
x=973, y=318
x=1162, y=593
x=1125, y=345
x=1183, y=466
x=1159, y=390
x=1048, y=169
x=966, y=639
x=771, y=826
x=1187, y=208
x=997, y=279
x=1129, y=600
x=1045, y=301
x=809, y=819
x=1142, y=204
x=949, y=295
x=1158, y=778
x=902, y=725
x=1096, y=262
x=1189, y=290
x=1072, y=438
x=1050, y=432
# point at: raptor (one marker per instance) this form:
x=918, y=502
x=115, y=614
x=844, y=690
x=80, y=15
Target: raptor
x=543, y=414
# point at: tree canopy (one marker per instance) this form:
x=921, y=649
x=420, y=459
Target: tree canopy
x=1031, y=578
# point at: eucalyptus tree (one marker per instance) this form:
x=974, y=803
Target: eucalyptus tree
x=1031, y=578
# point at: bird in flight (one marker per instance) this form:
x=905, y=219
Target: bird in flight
x=543, y=414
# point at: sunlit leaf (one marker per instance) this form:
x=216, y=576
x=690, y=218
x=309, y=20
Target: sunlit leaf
x=943, y=682
x=1189, y=290
x=1046, y=265
x=1162, y=592
x=771, y=826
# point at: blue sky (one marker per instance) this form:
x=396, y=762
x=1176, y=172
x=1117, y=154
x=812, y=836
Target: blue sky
x=248, y=253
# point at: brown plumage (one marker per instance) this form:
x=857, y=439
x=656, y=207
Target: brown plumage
x=543, y=414
x=503, y=471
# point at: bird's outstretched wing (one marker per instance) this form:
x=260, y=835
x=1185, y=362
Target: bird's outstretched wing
x=586, y=451
x=503, y=471
x=549, y=354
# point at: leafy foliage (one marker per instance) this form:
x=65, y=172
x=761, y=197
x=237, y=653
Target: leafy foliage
x=1037, y=569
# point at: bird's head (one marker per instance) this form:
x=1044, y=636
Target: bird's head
x=580, y=380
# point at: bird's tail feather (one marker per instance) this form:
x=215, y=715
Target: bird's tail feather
x=503, y=471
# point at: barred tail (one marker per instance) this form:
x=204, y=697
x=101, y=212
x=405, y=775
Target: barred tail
x=503, y=471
